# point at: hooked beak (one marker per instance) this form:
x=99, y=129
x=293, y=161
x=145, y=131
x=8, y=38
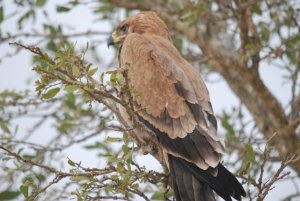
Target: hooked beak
x=115, y=39
x=110, y=41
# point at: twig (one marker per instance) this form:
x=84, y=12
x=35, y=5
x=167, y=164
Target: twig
x=141, y=194
x=32, y=49
x=35, y=194
x=30, y=162
x=264, y=188
x=58, y=174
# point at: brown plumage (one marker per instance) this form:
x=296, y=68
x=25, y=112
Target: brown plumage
x=173, y=101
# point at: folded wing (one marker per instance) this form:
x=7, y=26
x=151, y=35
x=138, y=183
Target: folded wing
x=171, y=98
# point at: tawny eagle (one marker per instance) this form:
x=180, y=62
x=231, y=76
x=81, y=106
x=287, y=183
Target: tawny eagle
x=174, y=103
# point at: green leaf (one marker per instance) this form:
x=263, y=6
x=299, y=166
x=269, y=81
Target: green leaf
x=51, y=93
x=256, y=9
x=4, y=127
x=176, y=5
x=6, y=159
x=24, y=190
x=78, y=178
x=129, y=159
x=1, y=14
x=113, y=139
x=71, y=101
x=250, y=156
x=228, y=127
x=264, y=31
x=191, y=17
x=125, y=136
x=41, y=177
x=117, y=79
x=71, y=163
x=76, y=71
x=200, y=8
x=62, y=9
x=113, y=159
x=115, y=177
x=178, y=42
x=158, y=196
x=28, y=180
x=52, y=46
x=40, y=61
x=28, y=156
x=79, y=198
x=120, y=167
x=29, y=14
x=96, y=145
x=186, y=16
x=293, y=41
x=125, y=149
x=71, y=88
x=246, y=168
x=9, y=195
x=92, y=71
x=113, y=76
x=135, y=186
x=40, y=3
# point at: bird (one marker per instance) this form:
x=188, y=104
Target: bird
x=172, y=101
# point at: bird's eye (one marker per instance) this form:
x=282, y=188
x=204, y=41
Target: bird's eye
x=124, y=28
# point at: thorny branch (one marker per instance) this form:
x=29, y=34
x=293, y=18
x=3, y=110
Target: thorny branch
x=265, y=187
x=152, y=144
x=113, y=103
x=86, y=172
x=96, y=172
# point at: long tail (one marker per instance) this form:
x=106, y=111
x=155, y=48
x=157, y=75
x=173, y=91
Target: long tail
x=190, y=183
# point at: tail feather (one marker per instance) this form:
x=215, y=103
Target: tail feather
x=186, y=186
x=190, y=183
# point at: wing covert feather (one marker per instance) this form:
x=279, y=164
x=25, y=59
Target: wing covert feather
x=172, y=98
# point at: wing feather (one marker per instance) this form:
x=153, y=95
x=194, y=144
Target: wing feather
x=171, y=97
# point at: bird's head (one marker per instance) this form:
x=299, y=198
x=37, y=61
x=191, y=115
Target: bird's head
x=146, y=22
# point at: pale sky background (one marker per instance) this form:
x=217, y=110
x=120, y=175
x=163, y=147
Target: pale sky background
x=15, y=72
